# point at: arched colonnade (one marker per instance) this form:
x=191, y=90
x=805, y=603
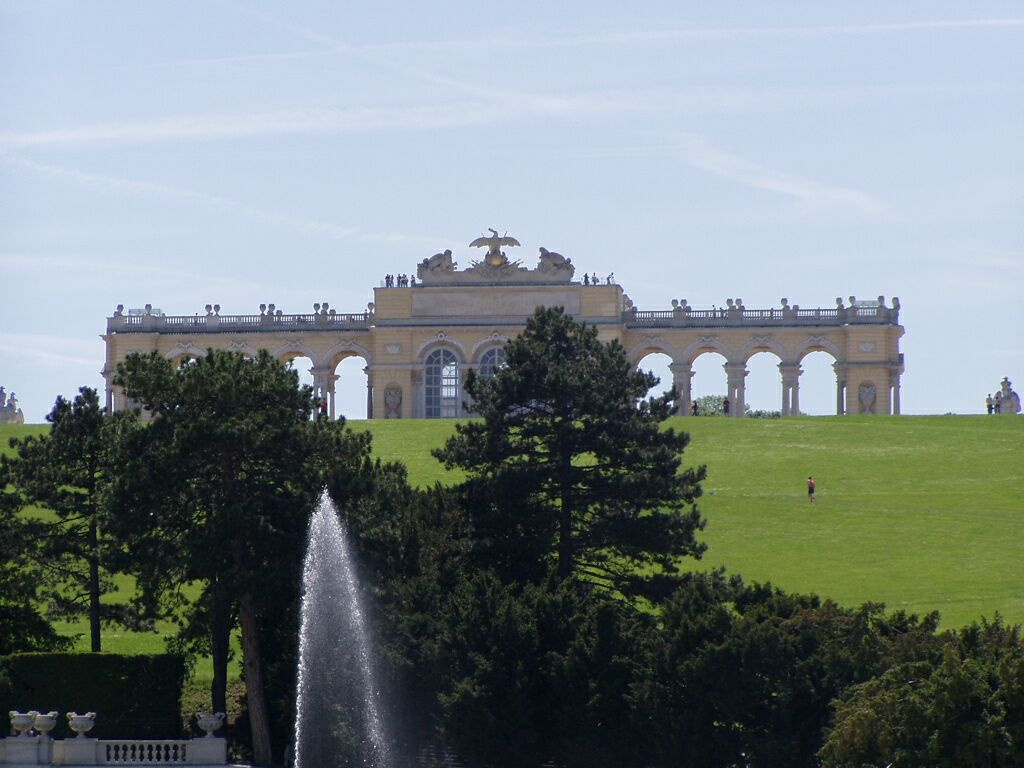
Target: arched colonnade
x=325, y=359
x=854, y=384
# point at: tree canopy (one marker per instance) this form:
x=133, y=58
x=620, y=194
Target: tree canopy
x=570, y=468
x=217, y=491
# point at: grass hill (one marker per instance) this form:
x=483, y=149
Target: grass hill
x=919, y=512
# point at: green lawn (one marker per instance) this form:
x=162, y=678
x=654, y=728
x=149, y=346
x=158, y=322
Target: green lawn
x=919, y=512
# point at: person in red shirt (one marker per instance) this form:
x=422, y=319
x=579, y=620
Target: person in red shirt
x=810, y=488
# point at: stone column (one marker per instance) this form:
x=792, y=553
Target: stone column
x=332, y=387
x=321, y=376
x=682, y=379
x=896, y=393
x=417, y=397
x=736, y=374
x=108, y=377
x=369, y=392
x=790, y=373
x=840, y=387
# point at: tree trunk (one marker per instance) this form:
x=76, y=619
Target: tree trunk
x=259, y=718
x=94, y=585
x=220, y=646
x=566, y=512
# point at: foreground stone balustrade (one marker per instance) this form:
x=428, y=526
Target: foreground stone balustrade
x=32, y=751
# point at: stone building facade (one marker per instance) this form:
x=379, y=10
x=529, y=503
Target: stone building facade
x=421, y=335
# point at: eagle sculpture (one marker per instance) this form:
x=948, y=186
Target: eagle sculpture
x=494, y=258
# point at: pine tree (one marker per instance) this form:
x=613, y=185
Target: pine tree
x=570, y=469
x=70, y=471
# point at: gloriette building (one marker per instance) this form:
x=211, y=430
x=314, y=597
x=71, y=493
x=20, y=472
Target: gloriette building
x=422, y=333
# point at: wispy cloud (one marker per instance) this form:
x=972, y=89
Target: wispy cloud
x=336, y=121
x=682, y=34
x=302, y=225
x=699, y=152
x=52, y=351
x=216, y=202
x=619, y=38
x=83, y=269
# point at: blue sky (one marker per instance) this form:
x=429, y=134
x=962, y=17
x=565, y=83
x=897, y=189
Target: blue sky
x=184, y=153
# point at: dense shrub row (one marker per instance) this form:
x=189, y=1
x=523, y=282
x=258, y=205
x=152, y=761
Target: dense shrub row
x=133, y=696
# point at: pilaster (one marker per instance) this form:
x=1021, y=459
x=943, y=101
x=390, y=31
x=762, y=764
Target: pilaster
x=682, y=380
x=790, y=373
x=736, y=374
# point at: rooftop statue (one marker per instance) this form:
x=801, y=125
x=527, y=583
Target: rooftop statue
x=10, y=413
x=551, y=263
x=1009, y=400
x=438, y=264
x=495, y=256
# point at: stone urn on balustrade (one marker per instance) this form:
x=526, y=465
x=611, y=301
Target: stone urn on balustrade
x=210, y=722
x=45, y=722
x=81, y=724
x=23, y=722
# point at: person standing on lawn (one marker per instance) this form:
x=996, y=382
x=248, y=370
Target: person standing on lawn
x=810, y=488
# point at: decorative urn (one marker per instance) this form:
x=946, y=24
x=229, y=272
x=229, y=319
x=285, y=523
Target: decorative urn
x=81, y=724
x=46, y=722
x=210, y=722
x=23, y=722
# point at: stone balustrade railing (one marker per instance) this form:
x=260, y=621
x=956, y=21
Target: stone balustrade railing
x=212, y=323
x=145, y=752
x=684, y=316
x=25, y=751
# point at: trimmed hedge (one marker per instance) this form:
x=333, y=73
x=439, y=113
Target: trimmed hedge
x=134, y=697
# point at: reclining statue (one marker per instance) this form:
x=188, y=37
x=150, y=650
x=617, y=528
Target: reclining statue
x=438, y=264
x=551, y=262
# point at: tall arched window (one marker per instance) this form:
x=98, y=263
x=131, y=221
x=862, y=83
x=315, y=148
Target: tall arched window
x=491, y=361
x=443, y=389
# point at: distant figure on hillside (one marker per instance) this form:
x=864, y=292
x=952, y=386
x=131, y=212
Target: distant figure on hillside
x=990, y=405
x=810, y=488
x=694, y=410
x=725, y=406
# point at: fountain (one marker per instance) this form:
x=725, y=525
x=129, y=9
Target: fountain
x=338, y=719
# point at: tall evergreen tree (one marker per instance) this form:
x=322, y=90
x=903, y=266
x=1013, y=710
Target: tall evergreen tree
x=70, y=471
x=570, y=468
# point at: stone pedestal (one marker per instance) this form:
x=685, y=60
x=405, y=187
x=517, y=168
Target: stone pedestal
x=208, y=750
x=77, y=751
x=23, y=751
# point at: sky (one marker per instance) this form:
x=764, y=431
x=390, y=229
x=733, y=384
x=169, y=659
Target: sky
x=184, y=153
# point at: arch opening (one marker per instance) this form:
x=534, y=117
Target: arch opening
x=659, y=364
x=303, y=366
x=709, y=380
x=763, y=392
x=818, y=384
x=348, y=382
